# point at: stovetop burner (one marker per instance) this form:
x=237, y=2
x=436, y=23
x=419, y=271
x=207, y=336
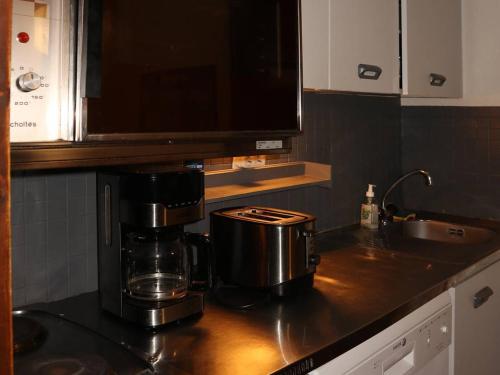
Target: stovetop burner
x=47, y=344
x=80, y=364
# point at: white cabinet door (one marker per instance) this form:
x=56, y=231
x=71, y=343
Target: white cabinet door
x=364, y=37
x=316, y=44
x=340, y=38
x=477, y=329
x=432, y=48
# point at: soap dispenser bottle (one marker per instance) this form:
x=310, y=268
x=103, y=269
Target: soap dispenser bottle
x=369, y=210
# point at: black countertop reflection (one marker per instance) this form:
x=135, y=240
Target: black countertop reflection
x=365, y=282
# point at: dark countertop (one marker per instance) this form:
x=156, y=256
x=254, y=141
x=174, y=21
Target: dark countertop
x=365, y=282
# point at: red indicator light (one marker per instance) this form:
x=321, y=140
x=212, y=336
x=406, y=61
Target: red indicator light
x=23, y=37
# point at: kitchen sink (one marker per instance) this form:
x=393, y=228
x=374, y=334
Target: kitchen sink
x=442, y=231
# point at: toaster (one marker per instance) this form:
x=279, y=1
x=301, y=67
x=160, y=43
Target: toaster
x=263, y=247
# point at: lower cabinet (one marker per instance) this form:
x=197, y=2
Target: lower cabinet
x=477, y=324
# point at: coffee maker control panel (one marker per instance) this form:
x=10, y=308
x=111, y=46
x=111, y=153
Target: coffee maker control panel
x=166, y=198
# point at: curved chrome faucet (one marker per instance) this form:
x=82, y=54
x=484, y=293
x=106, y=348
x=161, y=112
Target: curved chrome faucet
x=428, y=182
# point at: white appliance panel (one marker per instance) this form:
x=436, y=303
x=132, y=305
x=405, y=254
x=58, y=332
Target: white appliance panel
x=39, y=71
x=418, y=344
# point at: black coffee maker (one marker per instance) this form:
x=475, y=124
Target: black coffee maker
x=151, y=271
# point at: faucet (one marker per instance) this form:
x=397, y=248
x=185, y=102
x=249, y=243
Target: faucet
x=428, y=181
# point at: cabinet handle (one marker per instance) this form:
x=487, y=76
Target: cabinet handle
x=366, y=71
x=437, y=79
x=482, y=296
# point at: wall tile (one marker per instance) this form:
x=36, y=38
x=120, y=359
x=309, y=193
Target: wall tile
x=78, y=275
x=57, y=210
x=18, y=297
x=36, y=242
x=58, y=281
x=17, y=233
x=36, y=281
x=76, y=206
x=35, y=188
x=57, y=187
x=53, y=231
x=36, y=293
x=17, y=188
x=35, y=212
x=91, y=204
x=17, y=213
x=78, y=243
x=458, y=146
x=57, y=239
x=77, y=185
x=19, y=269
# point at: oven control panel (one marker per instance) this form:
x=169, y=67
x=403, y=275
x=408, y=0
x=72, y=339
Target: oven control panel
x=39, y=70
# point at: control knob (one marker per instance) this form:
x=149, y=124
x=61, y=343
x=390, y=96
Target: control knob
x=29, y=82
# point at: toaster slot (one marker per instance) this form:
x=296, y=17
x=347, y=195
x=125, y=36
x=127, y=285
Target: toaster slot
x=258, y=217
x=271, y=215
x=265, y=215
x=281, y=215
x=268, y=215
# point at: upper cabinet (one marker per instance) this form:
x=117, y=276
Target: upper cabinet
x=316, y=44
x=354, y=45
x=351, y=45
x=431, y=48
x=365, y=46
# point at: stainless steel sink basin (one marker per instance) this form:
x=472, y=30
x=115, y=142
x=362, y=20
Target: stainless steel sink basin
x=442, y=231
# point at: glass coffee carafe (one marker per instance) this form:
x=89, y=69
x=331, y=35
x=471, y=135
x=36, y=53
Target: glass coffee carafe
x=156, y=264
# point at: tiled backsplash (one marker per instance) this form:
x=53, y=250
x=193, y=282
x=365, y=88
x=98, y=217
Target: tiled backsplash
x=360, y=137
x=460, y=146
x=54, y=214
x=54, y=235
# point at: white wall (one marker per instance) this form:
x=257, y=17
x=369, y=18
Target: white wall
x=481, y=57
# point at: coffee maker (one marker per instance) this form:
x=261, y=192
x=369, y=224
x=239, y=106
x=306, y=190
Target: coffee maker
x=148, y=265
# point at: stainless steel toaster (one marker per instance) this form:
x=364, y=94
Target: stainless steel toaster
x=264, y=248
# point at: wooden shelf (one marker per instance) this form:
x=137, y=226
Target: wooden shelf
x=237, y=183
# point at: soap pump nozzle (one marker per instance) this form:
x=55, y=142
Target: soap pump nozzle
x=370, y=193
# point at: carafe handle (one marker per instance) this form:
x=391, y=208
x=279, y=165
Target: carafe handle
x=201, y=261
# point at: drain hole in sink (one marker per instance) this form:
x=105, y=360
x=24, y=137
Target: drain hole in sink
x=456, y=232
